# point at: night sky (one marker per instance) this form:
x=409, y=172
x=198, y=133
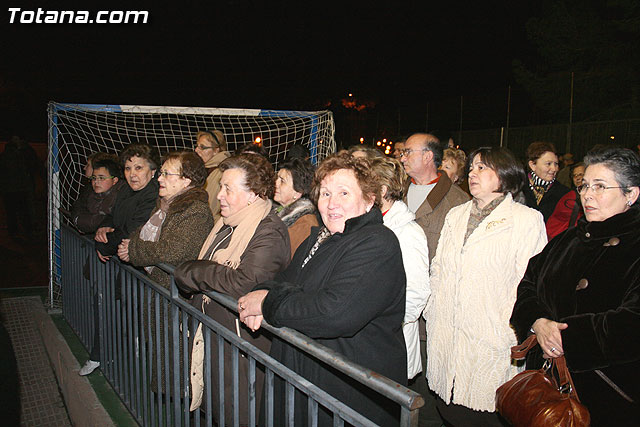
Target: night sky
x=397, y=56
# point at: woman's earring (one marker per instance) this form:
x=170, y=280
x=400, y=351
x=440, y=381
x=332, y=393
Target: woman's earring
x=629, y=203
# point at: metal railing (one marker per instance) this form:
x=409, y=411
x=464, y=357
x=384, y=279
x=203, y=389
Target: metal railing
x=142, y=327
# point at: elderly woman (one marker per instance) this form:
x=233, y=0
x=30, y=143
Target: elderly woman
x=415, y=254
x=247, y=246
x=174, y=232
x=569, y=209
x=581, y=295
x=482, y=254
x=292, y=193
x=543, y=192
x=135, y=201
x=211, y=146
x=133, y=206
x=338, y=291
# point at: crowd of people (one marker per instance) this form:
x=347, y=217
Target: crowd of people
x=425, y=268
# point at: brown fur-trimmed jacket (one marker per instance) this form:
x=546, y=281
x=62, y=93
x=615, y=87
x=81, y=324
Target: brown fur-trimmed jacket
x=185, y=228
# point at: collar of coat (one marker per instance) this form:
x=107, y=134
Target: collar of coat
x=294, y=211
x=437, y=193
x=617, y=226
x=184, y=200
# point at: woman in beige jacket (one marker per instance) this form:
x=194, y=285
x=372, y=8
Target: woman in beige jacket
x=481, y=257
x=211, y=146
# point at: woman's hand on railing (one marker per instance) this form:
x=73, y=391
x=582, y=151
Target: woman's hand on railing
x=123, y=250
x=101, y=234
x=250, y=309
x=102, y=257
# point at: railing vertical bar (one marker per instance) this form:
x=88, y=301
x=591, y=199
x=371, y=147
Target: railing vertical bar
x=111, y=333
x=166, y=377
x=337, y=420
x=220, y=380
x=147, y=347
x=136, y=339
x=131, y=343
x=208, y=386
x=312, y=412
x=119, y=337
x=185, y=365
x=157, y=364
x=290, y=405
x=268, y=396
x=251, y=388
x=175, y=353
x=235, y=403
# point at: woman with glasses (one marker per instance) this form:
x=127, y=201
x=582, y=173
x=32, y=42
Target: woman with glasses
x=211, y=146
x=581, y=294
x=173, y=234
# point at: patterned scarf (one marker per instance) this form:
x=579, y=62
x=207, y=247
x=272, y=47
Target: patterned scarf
x=323, y=235
x=539, y=186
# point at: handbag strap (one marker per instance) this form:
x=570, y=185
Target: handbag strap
x=518, y=352
x=564, y=377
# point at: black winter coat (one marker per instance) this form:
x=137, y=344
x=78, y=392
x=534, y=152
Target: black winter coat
x=350, y=297
x=549, y=200
x=131, y=210
x=589, y=278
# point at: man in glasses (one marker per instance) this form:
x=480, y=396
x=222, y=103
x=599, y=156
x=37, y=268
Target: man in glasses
x=429, y=195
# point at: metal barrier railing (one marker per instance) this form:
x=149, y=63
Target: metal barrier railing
x=144, y=336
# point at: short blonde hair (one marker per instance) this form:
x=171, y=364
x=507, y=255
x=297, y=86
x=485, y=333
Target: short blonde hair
x=390, y=173
x=459, y=157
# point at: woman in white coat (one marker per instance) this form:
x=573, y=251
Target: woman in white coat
x=482, y=254
x=415, y=253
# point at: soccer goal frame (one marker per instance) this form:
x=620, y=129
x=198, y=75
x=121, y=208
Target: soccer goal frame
x=78, y=130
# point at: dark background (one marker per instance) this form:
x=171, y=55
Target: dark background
x=406, y=64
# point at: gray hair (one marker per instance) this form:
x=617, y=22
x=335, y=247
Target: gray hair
x=624, y=163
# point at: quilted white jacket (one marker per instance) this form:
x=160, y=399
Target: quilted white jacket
x=473, y=290
x=415, y=256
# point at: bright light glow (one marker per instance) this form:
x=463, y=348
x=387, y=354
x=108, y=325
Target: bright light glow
x=258, y=140
x=361, y=140
x=612, y=137
x=384, y=140
x=350, y=95
x=378, y=143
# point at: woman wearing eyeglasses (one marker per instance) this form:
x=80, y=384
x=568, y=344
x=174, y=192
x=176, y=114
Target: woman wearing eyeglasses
x=173, y=234
x=581, y=294
x=211, y=146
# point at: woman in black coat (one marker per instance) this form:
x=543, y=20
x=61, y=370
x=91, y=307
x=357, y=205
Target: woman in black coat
x=135, y=201
x=345, y=287
x=581, y=294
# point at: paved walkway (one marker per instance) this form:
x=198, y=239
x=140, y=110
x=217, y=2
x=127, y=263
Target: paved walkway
x=42, y=403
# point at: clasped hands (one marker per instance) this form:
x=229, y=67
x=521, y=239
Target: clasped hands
x=250, y=309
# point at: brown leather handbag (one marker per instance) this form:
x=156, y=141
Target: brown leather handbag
x=537, y=398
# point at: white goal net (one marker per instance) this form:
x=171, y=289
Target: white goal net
x=78, y=130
